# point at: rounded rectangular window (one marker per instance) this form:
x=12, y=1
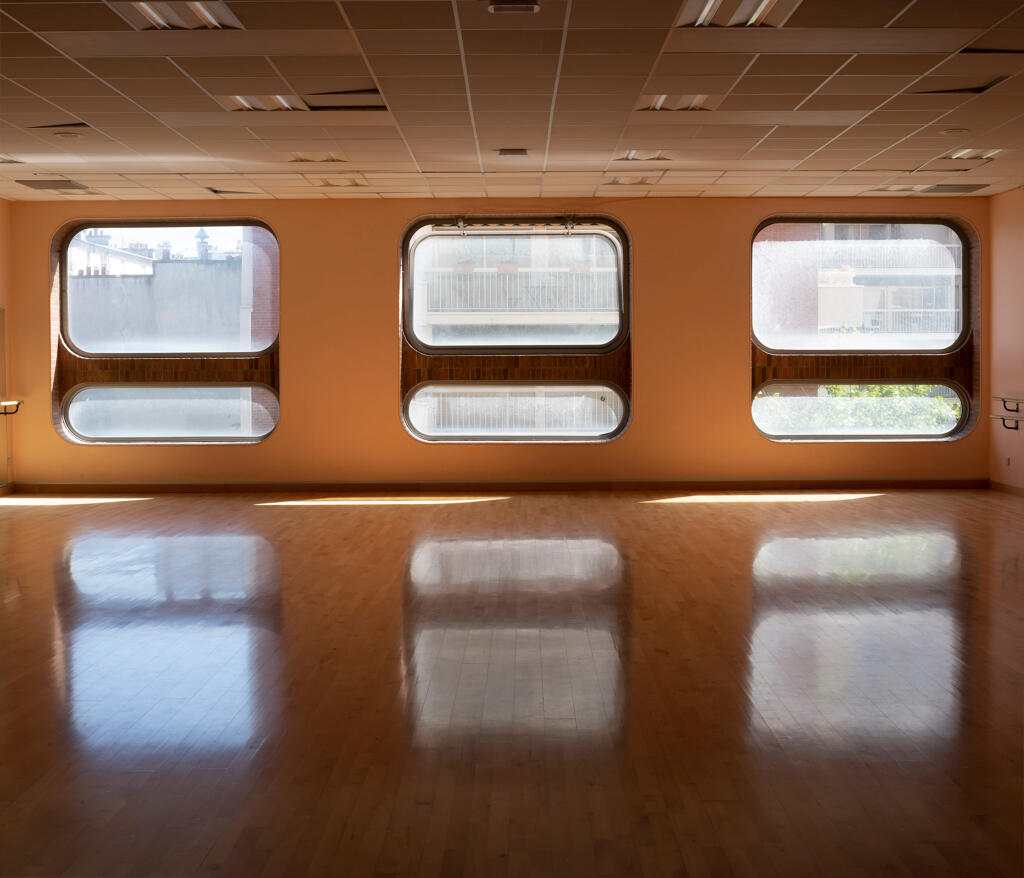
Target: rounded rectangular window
x=529, y=286
x=171, y=413
x=491, y=412
x=848, y=285
x=857, y=411
x=165, y=289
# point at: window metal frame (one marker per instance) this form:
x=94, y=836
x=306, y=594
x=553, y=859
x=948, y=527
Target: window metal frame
x=954, y=433
x=966, y=293
x=69, y=397
x=77, y=229
x=555, y=225
x=508, y=439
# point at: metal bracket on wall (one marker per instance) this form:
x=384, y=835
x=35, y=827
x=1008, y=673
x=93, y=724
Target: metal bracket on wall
x=5, y=406
x=1012, y=420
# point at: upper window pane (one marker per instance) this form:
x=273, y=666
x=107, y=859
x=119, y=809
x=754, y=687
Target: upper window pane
x=857, y=286
x=542, y=286
x=171, y=290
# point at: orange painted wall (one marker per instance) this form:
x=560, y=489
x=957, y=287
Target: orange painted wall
x=339, y=307
x=5, y=250
x=1007, y=335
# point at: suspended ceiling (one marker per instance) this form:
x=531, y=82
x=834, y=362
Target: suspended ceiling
x=416, y=98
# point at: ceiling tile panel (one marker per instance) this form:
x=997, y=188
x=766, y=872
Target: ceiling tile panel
x=85, y=16
x=294, y=14
x=611, y=99
x=863, y=13
x=428, y=14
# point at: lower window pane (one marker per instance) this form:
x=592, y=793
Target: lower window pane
x=169, y=413
x=856, y=410
x=516, y=412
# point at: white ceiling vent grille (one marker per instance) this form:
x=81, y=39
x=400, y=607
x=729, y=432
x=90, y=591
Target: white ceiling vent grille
x=736, y=13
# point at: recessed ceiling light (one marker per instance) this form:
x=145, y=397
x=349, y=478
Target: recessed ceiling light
x=512, y=153
x=513, y=6
x=763, y=8
x=204, y=14
x=707, y=13
x=179, y=14
x=261, y=103
x=152, y=16
x=951, y=131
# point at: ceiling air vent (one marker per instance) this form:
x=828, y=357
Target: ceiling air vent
x=362, y=99
x=984, y=50
x=315, y=157
x=631, y=181
x=59, y=125
x=677, y=103
x=645, y=155
x=54, y=185
x=513, y=7
x=954, y=188
x=964, y=90
x=512, y=153
x=356, y=99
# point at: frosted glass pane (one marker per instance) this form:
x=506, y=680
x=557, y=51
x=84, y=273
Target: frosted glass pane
x=856, y=409
x=172, y=412
x=516, y=412
x=171, y=289
x=516, y=290
x=857, y=286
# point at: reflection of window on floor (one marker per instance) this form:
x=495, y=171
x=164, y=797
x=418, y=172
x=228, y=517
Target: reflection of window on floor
x=514, y=637
x=879, y=665
x=876, y=560
x=167, y=637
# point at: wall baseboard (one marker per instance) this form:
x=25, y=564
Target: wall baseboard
x=1008, y=489
x=468, y=487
